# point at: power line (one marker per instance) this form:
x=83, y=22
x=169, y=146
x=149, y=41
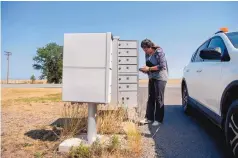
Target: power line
x=8, y=54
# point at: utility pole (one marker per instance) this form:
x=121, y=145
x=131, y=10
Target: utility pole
x=8, y=54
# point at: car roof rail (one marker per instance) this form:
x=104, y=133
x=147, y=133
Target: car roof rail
x=219, y=32
x=222, y=30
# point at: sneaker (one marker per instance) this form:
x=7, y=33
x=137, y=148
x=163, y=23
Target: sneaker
x=145, y=121
x=155, y=123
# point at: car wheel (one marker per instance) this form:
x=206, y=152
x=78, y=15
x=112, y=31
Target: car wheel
x=185, y=97
x=231, y=128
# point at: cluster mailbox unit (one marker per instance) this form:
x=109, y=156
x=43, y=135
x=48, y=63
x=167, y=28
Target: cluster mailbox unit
x=127, y=72
x=99, y=69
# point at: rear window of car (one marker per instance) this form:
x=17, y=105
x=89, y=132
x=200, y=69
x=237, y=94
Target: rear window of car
x=233, y=37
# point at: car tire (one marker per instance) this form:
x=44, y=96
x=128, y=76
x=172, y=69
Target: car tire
x=231, y=129
x=185, y=96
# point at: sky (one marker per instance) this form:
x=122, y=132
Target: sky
x=178, y=27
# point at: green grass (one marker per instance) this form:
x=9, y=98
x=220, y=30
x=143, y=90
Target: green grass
x=38, y=155
x=47, y=98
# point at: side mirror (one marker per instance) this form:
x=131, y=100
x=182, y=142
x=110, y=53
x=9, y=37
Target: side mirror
x=211, y=53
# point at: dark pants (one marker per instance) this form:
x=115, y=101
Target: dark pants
x=155, y=104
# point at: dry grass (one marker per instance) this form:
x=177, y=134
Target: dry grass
x=110, y=121
x=39, y=121
x=134, y=138
x=27, y=115
x=26, y=131
x=47, y=98
x=75, y=119
x=115, y=147
x=15, y=93
x=11, y=96
x=23, y=81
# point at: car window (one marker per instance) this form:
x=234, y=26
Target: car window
x=218, y=42
x=193, y=56
x=233, y=37
x=197, y=57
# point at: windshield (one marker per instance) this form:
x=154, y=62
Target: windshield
x=233, y=37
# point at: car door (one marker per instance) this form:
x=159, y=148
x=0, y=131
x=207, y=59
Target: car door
x=191, y=74
x=210, y=77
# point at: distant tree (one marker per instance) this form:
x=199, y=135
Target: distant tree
x=49, y=60
x=33, y=78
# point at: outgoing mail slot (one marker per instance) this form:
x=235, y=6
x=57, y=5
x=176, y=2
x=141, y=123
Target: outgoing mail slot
x=127, y=52
x=128, y=98
x=127, y=44
x=127, y=79
x=127, y=68
x=127, y=87
x=127, y=60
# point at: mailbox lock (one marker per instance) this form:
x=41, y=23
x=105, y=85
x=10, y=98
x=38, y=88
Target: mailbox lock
x=127, y=67
x=127, y=51
x=122, y=98
x=127, y=86
x=119, y=68
x=127, y=78
x=119, y=86
x=127, y=98
x=119, y=52
x=119, y=79
x=127, y=59
x=119, y=60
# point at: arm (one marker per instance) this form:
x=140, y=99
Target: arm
x=146, y=56
x=162, y=61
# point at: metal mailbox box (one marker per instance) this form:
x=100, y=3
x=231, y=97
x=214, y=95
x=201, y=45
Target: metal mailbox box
x=128, y=68
x=127, y=52
x=127, y=44
x=128, y=87
x=87, y=72
x=127, y=60
x=128, y=79
x=128, y=98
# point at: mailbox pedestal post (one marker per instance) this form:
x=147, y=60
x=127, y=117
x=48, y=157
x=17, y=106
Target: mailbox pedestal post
x=92, y=123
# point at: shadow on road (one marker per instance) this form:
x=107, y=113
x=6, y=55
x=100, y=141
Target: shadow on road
x=191, y=136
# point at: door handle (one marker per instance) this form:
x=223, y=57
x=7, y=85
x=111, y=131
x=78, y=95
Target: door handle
x=199, y=70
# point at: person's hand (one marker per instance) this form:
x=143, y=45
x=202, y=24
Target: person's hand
x=145, y=69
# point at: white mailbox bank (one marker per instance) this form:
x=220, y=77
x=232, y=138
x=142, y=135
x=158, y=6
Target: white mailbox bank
x=99, y=69
x=87, y=67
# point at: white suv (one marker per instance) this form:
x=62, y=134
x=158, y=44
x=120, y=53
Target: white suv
x=210, y=83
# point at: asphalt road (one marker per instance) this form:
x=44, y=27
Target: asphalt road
x=183, y=136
